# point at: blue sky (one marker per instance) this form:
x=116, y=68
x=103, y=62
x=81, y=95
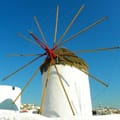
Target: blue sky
x=17, y=16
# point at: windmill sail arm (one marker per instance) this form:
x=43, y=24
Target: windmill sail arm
x=61, y=83
x=83, y=30
x=39, y=42
x=21, y=68
x=56, y=24
x=27, y=39
x=44, y=89
x=98, y=50
x=26, y=85
x=23, y=55
x=70, y=24
x=95, y=78
x=40, y=30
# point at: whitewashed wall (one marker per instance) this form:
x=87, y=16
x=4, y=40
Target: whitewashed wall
x=77, y=86
x=8, y=95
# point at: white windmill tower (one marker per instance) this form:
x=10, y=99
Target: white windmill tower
x=67, y=91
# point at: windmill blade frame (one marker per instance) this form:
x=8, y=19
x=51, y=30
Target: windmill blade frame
x=52, y=56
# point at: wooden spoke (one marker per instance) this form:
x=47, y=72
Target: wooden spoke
x=27, y=39
x=22, y=55
x=64, y=90
x=98, y=50
x=26, y=85
x=19, y=69
x=40, y=30
x=45, y=88
x=56, y=25
x=82, y=31
x=96, y=79
x=70, y=24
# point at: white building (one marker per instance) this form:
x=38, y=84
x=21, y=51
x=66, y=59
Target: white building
x=8, y=95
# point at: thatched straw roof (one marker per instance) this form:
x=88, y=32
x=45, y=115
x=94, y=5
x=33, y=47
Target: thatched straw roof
x=65, y=57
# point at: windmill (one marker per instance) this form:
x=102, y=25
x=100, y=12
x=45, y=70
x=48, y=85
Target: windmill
x=56, y=56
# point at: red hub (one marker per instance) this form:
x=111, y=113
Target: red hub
x=49, y=52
